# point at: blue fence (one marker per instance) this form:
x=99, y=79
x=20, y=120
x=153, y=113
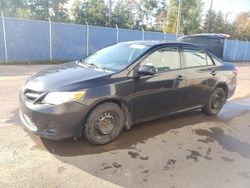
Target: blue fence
x=68, y=41
x=31, y=40
x=26, y=40
x=235, y=50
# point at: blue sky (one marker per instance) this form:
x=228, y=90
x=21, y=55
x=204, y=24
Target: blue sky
x=226, y=6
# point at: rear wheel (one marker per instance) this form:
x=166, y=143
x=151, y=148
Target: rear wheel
x=104, y=124
x=215, y=102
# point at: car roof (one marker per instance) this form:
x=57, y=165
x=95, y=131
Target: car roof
x=155, y=43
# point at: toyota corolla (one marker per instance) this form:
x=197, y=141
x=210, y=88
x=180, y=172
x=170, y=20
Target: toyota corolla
x=121, y=85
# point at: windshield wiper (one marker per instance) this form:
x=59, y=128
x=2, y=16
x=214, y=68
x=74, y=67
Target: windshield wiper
x=92, y=65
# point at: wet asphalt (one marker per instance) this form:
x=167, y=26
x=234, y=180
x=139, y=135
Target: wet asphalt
x=184, y=150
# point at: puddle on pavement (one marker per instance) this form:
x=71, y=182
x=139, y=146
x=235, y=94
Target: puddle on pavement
x=194, y=155
x=145, y=171
x=227, y=159
x=209, y=151
x=170, y=164
x=133, y=155
x=228, y=142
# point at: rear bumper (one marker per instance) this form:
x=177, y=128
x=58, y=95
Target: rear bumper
x=53, y=122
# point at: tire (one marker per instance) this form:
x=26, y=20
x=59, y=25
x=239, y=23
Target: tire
x=215, y=102
x=104, y=124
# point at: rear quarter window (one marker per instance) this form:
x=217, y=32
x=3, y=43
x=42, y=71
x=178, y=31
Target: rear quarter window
x=194, y=57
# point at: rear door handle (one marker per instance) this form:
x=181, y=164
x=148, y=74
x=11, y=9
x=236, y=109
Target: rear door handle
x=213, y=73
x=180, y=77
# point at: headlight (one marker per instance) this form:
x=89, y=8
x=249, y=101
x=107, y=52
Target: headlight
x=62, y=97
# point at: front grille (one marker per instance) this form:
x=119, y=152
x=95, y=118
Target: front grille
x=32, y=96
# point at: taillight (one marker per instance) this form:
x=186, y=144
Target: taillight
x=235, y=71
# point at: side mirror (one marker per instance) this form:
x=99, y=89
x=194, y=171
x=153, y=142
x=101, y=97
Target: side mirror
x=146, y=70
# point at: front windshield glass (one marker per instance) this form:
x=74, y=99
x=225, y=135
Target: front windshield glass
x=116, y=57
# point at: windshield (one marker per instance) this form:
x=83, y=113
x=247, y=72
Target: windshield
x=116, y=57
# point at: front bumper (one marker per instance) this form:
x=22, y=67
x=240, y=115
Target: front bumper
x=231, y=84
x=53, y=122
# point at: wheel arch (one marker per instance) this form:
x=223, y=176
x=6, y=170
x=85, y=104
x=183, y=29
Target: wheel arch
x=224, y=86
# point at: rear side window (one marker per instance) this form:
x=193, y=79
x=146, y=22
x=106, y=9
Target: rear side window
x=164, y=59
x=194, y=57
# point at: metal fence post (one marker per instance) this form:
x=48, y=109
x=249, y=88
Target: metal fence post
x=236, y=48
x=142, y=33
x=224, y=49
x=4, y=38
x=117, y=33
x=244, y=56
x=50, y=40
x=87, y=41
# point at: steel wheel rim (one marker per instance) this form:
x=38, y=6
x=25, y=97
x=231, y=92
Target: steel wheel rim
x=105, y=124
x=217, y=101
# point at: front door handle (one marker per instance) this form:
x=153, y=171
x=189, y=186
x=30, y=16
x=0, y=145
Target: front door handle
x=180, y=77
x=213, y=73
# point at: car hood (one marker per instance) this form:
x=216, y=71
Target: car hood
x=66, y=77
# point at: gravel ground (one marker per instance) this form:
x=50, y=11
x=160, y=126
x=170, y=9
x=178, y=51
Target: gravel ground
x=186, y=150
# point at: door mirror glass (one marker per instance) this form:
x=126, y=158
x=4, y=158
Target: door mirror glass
x=146, y=70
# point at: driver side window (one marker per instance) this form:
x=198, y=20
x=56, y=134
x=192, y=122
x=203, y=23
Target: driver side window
x=164, y=59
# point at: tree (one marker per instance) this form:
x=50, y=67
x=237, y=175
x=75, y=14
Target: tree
x=209, y=19
x=145, y=12
x=15, y=8
x=229, y=27
x=39, y=9
x=218, y=26
x=58, y=11
x=122, y=14
x=216, y=21
x=239, y=28
x=242, y=26
x=191, y=11
x=94, y=12
x=23, y=13
x=161, y=15
x=53, y=9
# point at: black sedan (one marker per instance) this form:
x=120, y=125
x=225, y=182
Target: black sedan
x=122, y=85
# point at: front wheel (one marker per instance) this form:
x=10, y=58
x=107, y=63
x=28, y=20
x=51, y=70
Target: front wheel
x=215, y=102
x=104, y=124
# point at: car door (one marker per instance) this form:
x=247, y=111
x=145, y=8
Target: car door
x=161, y=93
x=200, y=74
